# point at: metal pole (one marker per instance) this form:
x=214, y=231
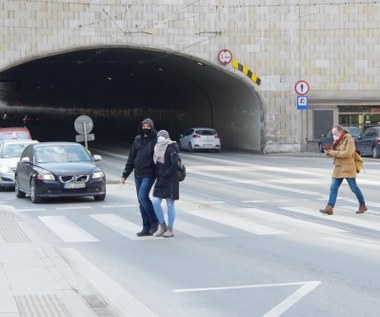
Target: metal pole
x=85, y=135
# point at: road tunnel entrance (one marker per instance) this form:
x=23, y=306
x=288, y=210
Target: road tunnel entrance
x=119, y=86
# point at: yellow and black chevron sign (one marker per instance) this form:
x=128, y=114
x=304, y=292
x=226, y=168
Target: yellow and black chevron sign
x=246, y=71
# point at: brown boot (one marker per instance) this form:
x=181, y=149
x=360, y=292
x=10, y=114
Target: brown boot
x=362, y=208
x=327, y=211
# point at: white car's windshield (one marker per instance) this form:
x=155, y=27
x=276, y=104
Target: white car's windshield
x=12, y=150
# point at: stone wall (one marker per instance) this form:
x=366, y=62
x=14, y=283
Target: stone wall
x=334, y=45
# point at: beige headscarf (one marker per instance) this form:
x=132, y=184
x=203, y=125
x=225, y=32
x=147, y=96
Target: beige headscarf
x=163, y=140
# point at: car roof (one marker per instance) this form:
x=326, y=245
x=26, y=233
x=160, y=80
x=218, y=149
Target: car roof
x=14, y=129
x=199, y=128
x=19, y=141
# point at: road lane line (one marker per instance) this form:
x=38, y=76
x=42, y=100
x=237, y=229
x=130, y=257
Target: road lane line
x=212, y=202
x=238, y=287
x=123, y=300
x=288, y=220
x=31, y=209
x=68, y=231
x=354, y=221
x=196, y=230
x=292, y=299
x=235, y=222
x=120, y=225
x=119, y=206
x=74, y=207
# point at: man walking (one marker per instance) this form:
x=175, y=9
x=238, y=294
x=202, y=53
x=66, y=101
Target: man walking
x=140, y=160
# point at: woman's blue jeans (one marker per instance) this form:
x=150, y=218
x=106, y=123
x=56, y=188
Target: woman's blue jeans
x=335, y=184
x=143, y=187
x=160, y=213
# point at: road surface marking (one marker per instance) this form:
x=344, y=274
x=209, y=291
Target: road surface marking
x=119, y=206
x=254, y=201
x=278, y=310
x=360, y=243
x=74, y=207
x=290, y=301
x=196, y=230
x=114, y=292
x=67, y=230
x=120, y=225
x=235, y=222
x=212, y=202
x=288, y=220
x=31, y=209
x=227, y=288
x=354, y=221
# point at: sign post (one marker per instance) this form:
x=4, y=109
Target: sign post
x=84, y=125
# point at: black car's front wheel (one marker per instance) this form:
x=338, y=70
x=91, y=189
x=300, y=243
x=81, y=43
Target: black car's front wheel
x=375, y=152
x=100, y=197
x=18, y=192
x=33, y=192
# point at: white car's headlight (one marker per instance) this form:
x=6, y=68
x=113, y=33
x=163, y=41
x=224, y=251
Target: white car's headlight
x=5, y=169
x=97, y=175
x=45, y=176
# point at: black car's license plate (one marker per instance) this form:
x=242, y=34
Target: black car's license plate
x=74, y=185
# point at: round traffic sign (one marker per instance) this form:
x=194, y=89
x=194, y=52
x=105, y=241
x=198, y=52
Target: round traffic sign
x=83, y=123
x=225, y=56
x=302, y=87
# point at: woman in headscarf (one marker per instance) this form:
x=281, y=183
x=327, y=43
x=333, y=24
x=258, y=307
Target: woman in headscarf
x=167, y=184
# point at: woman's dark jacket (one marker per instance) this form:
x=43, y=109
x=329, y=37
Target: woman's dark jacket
x=140, y=157
x=167, y=183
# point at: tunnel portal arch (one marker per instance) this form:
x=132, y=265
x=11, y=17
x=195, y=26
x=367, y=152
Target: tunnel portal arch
x=119, y=85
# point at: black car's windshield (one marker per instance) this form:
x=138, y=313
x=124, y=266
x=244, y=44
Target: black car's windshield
x=61, y=154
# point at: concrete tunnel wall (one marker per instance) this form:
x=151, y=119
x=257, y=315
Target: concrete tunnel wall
x=177, y=91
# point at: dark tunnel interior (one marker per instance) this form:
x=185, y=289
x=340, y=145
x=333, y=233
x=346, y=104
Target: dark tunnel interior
x=119, y=87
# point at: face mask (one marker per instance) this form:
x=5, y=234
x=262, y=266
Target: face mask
x=160, y=139
x=146, y=131
x=336, y=137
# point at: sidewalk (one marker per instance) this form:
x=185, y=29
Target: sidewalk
x=36, y=281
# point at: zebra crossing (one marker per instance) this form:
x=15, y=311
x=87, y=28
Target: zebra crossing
x=207, y=223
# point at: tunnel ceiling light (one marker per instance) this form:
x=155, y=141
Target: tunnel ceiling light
x=160, y=69
x=109, y=78
x=199, y=63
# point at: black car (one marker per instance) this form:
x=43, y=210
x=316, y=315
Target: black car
x=327, y=138
x=58, y=169
x=368, y=142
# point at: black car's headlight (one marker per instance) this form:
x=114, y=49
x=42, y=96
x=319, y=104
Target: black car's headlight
x=97, y=175
x=45, y=176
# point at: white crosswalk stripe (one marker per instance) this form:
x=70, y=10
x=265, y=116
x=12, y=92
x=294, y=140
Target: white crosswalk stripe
x=68, y=231
x=120, y=225
x=196, y=231
x=336, y=218
x=236, y=222
x=286, y=220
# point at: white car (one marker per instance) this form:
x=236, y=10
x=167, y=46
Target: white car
x=200, y=139
x=10, y=152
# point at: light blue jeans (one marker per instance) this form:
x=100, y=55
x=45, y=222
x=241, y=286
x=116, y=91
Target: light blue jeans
x=160, y=213
x=335, y=184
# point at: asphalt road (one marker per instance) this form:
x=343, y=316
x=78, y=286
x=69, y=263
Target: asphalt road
x=249, y=240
